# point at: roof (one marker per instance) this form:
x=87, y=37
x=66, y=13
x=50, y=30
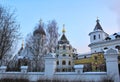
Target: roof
x=98, y=26
x=40, y=30
x=63, y=39
x=113, y=36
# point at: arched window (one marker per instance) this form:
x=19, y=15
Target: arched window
x=63, y=70
x=69, y=55
x=63, y=62
x=69, y=47
x=58, y=47
x=64, y=47
x=105, y=48
x=94, y=37
x=57, y=62
x=99, y=36
x=64, y=54
x=117, y=47
x=69, y=63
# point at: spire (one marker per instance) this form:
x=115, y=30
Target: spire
x=63, y=38
x=22, y=44
x=98, y=26
x=63, y=30
x=40, y=21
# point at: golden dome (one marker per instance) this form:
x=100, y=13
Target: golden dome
x=63, y=30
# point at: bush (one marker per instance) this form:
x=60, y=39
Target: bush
x=14, y=80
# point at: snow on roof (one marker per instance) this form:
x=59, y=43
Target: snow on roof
x=113, y=36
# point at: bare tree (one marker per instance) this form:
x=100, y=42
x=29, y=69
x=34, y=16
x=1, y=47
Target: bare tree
x=52, y=35
x=9, y=32
x=36, y=44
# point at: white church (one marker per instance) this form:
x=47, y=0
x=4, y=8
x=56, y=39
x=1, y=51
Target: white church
x=60, y=64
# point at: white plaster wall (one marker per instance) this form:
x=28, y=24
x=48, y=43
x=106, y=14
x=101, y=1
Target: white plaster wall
x=72, y=76
x=32, y=76
x=87, y=76
x=99, y=47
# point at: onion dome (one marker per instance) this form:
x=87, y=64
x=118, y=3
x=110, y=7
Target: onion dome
x=40, y=29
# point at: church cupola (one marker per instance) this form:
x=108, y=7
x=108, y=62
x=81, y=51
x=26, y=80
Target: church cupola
x=40, y=30
x=98, y=33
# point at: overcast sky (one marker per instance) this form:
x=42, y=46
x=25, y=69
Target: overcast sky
x=79, y=17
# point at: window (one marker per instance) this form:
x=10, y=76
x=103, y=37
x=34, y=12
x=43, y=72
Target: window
x=64, y=54
x=99, y=36
x=105, y=48
x=57, y=62
x=64, y=47
x=63, y=62
x=69, y=47
x=69, y=63
x=63, y=69
x=58, y=47
x=94, y=37
x=69, y=55
x=95, y=57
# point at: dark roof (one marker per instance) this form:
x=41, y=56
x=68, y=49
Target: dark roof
x=98, y=26
x=63, y=37
x=40, y=31
x=63, y=40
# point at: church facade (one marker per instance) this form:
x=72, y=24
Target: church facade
x=100, y=41
x=67, y=57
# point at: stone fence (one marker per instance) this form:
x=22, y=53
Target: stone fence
x=111, y=57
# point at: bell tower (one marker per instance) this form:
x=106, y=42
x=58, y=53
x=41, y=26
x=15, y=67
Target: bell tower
x=98, y=34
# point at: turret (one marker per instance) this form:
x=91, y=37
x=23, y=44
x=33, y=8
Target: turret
x=64, y=53
x=98, y=34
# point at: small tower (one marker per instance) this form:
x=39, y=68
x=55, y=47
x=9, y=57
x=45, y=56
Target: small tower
x=22, y=47
x=64, y=53
x=98, y=34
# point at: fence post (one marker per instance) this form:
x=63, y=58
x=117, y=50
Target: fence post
x=79, y=68
x=24, y=69
x=50, y=65
x=3, y=69
x=111, y=56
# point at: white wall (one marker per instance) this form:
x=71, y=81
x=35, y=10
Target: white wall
x=34, y=76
